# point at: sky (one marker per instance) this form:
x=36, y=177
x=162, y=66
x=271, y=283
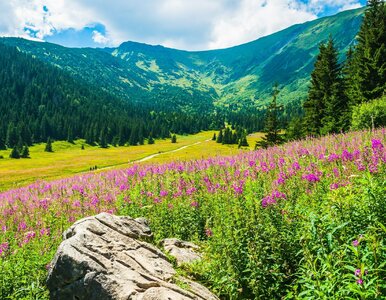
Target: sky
x=181, y=24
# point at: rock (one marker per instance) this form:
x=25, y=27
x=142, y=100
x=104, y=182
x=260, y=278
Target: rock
x=108, y=257
x=183, y=252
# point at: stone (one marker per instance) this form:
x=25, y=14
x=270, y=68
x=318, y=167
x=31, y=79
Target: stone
x=183, y=252
x=110, y=257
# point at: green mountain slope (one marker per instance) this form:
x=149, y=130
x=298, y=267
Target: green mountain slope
x=234, y=79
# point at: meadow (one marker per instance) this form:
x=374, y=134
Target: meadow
x=305, y=220
x=69, y=159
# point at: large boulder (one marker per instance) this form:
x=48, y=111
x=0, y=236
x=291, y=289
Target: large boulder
x=183, y=252
x=109, y=257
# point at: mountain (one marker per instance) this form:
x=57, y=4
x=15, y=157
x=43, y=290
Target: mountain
x=237, y=79
x=39, y=100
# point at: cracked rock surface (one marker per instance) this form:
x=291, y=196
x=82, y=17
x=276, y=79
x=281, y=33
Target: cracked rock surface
x=183, y=252
x=108, y=257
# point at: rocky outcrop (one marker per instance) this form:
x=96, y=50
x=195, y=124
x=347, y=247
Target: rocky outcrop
x=109, y=257
x=183, y=252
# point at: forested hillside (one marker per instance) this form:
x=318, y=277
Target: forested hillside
x=38, y=101
x=237, y=79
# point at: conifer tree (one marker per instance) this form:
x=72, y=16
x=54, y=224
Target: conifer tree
x=174, y=139
x=12, y=136
x=150, y=140
x=2, y=145
x=25, y=152
x=272, y=130
x=327, y=101
x=370, y=53
x=220, y=137
x=214, y=138
x=48, y=147
x=15, y=153
x=103, y=138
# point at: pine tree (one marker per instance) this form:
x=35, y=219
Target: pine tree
x=370, y=53
x=327, y=101
x=220, y=137
x=272, y=130
x=25, y=152
x=103, y=138
x=15, y=153
x=150, y=140
x=294, y=130
x=335, y=100
x=70, y=136
x=243, y=141
x=2, y=145
x=12, y=136
x=48, y=147
x=174, y=139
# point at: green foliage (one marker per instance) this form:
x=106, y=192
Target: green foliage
x=193, y=90
x=369, y=115
x=15, y=153
x=25, y=152
x=327, y=101
x=48, y=147
x=272, y=127
x=369, y=57
x=150, y=140
x=174, y=138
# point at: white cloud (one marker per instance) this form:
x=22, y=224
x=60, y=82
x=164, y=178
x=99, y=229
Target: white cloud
x=99, y=38
x=198, y=24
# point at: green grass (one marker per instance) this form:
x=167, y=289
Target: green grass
x=68, y=159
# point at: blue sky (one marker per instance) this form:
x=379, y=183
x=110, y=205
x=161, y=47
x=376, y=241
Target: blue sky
x=183, y=24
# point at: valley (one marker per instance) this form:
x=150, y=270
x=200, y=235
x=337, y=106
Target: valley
x=69, y=159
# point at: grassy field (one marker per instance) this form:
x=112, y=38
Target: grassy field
x=69, y=159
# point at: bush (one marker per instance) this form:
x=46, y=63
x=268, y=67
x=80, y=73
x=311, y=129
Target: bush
x=369, y=114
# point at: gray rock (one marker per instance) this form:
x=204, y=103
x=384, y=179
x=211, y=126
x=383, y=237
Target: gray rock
x=183, y=252
x=107, y=257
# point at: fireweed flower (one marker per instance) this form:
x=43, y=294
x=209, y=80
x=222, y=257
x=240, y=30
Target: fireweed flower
x=358, y=272
x=3, y=248
x=334, y=186
x=355, y=243
x=311, y=177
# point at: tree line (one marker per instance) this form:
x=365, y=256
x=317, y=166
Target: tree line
x=338, y=90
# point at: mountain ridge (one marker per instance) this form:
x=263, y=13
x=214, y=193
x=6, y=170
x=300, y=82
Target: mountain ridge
x=236, y=79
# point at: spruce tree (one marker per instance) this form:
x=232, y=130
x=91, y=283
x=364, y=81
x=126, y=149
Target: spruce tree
x=174, y=139
x=12, y=137
x=327, y=101
x=2, y=145
x=370, y=53
x=15, y=153
x=25, y=152
x=103, y=138
x=214, y=138
x=220, y=137
x=272, y=127
x=150, y=140
x=48, y=147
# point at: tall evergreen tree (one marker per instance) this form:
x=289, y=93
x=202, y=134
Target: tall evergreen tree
x=327, y=101
x=12, y=137
x=220, y=137
x=2, y=145
x=15, y=153
x=25, y=152
x=174, y=139
x=48, y=147
x=370, y=53
x=272, y=129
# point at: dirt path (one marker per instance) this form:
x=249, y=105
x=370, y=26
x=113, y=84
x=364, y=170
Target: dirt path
x=149, y=157
x=166, y=152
